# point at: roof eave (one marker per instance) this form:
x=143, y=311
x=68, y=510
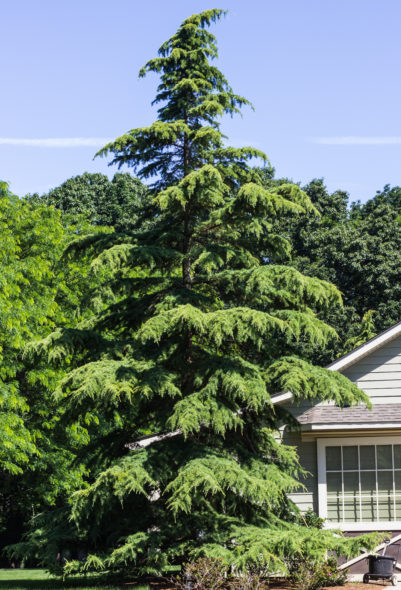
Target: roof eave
x=351, y=357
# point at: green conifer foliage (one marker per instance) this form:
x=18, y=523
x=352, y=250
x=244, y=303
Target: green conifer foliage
x=203, y=331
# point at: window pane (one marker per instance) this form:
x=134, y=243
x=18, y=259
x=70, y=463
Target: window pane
x=367, y=455
x=353, y=475
x=385, y=481
x=350, y=457
x=351, y=510
x=386, y=508
x=351, y=483
x=334, y=485
x=368, y=482
x=333, y=458
x=384, y=457
x=398, y=508
x=334, y=510
x=397, y=456
x=368, y=509
x=397, y=477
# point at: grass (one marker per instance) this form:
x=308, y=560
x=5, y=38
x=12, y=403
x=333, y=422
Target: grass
x=24, y=579
x=40, y=580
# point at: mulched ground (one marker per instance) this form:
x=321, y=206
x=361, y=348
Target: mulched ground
x=351, y=586
x=356, y=586
x=360, y=586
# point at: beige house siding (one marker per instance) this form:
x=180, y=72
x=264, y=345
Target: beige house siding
x=304, y=498
x=379, y=373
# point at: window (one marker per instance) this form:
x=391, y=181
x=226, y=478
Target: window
x=362, y=482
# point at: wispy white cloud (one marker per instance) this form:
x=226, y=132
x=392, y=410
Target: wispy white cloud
x=57, y=142
x=357, y=140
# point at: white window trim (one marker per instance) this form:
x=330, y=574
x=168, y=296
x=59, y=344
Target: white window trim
x=322, y=443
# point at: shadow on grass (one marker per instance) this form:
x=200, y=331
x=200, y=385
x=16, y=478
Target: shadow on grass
x=40, y=580
x=55, y=584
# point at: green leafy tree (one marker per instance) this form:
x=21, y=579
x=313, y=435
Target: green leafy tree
x=367, y=331
x=389, y=196
x=27, y=309
x=205, y=330
x=38, y=454
x=357, y=249
x=118, y=203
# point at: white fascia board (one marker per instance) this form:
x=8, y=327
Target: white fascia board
x=363, y=350
x=357, y=426
x=364, y=527
x=281, y=398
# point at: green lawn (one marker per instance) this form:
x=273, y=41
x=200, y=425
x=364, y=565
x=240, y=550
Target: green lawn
x=40, y=580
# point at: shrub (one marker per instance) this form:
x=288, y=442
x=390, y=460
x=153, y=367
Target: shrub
x=203, y=574
x=248, y=581
x=212, y=574
x=312, y=576
x=311, y=519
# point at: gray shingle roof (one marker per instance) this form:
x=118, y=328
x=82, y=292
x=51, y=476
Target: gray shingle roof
x=380, y=413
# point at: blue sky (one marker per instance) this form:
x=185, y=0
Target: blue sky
x=323, y=76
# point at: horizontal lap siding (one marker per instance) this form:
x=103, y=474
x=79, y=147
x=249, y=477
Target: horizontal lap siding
x=304, y=498
x=373, y=380
x=379, y=373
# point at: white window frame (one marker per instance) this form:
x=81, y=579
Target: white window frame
x=322, y=443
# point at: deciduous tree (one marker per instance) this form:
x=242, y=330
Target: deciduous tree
x=117, y=203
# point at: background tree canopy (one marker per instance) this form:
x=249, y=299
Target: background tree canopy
x=358, y=248
x=37, y=294
x=115, y=203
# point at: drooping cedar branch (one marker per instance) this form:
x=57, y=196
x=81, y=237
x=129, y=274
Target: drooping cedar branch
x=203, y=326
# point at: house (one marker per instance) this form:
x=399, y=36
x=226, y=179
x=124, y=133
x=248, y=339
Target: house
x=353, y=454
